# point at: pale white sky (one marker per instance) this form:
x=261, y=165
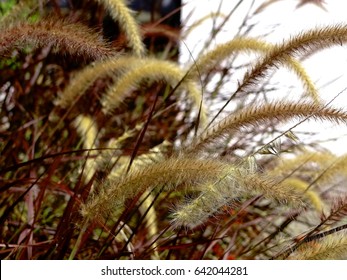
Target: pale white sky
x=284, y=20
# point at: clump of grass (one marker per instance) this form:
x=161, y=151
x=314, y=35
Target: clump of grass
x=114, y=152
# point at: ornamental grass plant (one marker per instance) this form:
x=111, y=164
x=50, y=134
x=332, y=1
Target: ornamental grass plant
x=110, y=148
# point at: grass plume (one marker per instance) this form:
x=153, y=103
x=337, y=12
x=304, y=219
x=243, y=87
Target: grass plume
x=261, y=114
x=153, y=70
x=73, y=39
x=214, y=57
x=225, y=192
x=333, y=247
x=87, y=76
x=123, y=15
x=299, y=45
x=312, y=196
x=170, y=173
x=88, y=132
x=301, y=162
